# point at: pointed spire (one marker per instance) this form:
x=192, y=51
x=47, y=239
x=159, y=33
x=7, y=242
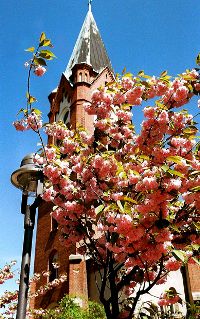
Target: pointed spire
x=89, y=47
x=90, y=5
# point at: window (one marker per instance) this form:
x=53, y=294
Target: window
x=66, y=118
x=80, y=77
x=53, y=260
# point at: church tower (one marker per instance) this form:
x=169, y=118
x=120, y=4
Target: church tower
x=88, y=68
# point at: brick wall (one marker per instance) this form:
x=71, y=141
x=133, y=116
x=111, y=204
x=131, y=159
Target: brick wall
x=47, y=241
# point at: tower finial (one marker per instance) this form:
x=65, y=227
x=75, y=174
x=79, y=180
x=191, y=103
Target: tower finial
x=90, y=5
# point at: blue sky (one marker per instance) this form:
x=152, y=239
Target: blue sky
x=153, y=35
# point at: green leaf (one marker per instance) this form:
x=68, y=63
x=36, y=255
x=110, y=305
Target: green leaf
x=99, y=209
x=122, y=175
x=197, y=225
x=126, y=106
x=141, y=73
x=179, y=255
x=144, y=157
x=129, y=199
x=145, y=76
x=195, y=189
x=195, y=246
x=110, y=90
x=39, y=61
x=36, y=111
x=176, y=159
x=175, y=228
x=46, y=43
x=30, y=98
x=46, y=54
x=134, y=172
x=164, y=73
x=119, y=204
x=128, y=208
x=42, y=37
x=165, y=168
x=176, y=173
x=124, y=70
x=161, y=105
x=31, y=49
x=109, y=84
x=198, y=59
x=187, y=77
x=128, y=75
x=190, y=130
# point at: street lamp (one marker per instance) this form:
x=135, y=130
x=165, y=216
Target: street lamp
x=28, y=178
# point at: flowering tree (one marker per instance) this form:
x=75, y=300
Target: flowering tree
x=130, y=200
x=8, y=300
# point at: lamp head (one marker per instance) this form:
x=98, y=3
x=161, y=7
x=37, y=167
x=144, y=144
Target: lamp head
x=27, y=176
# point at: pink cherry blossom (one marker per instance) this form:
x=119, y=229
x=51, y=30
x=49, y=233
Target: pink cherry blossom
x=181, y=93
x=39, y=70
x=20, y=125
x=173, y=264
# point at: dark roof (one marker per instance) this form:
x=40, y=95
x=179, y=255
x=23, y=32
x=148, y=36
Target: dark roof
x=89, y=48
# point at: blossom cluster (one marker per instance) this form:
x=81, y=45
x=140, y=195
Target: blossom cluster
x=169, y=297
x=50, y=285
x=8, y=300
x=31, y=121
x=6, y=272
x=131, y=195
x=39, y=70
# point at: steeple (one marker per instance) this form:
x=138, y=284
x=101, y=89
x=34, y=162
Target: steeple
x=89, y=47
x=89, y=5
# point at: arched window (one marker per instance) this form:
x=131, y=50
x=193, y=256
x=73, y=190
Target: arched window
x=86, y=77
x=53, y=260
x=80, y=77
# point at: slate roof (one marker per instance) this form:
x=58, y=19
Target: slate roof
x=89, y=48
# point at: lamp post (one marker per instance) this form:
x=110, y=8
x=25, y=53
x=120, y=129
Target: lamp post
x=28, y=178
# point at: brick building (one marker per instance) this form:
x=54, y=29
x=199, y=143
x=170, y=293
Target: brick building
x=89, y=68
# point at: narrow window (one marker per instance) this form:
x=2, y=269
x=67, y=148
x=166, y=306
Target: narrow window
x=53, y=260
x=80, y=77
x=66, y=118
